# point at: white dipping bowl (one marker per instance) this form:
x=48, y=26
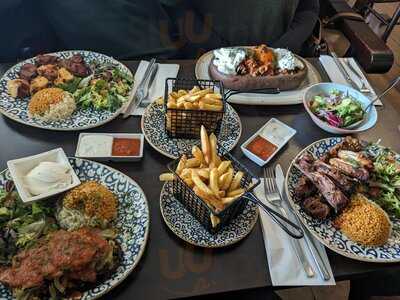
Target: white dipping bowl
x=324, y=88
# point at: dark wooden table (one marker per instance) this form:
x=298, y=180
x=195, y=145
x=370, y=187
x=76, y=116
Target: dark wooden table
x=171, y=268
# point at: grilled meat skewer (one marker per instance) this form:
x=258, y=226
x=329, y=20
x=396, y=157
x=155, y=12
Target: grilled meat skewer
x=347, y=168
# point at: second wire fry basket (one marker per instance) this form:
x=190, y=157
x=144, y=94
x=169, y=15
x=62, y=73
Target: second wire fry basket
x=186, y=123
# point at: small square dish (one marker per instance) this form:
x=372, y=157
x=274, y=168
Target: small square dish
x=267, y=141
x=110, y=146
x=42, y=175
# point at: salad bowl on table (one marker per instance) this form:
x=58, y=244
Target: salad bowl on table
x=328, y=88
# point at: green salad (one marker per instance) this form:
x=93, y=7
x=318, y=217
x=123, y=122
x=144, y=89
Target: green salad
x=337, y=109
x=386, y=177
x=21, y=224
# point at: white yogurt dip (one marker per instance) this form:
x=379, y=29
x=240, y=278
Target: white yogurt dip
x=95, y=145
x=48, y=176
x=227, y=59
x=286, y=60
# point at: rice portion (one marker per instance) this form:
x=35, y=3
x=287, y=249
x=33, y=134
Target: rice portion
x=51, y=104
x=364, y=222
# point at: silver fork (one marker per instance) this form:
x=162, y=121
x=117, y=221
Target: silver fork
x=272, y=195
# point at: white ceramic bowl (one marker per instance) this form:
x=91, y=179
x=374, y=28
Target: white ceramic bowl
x=325, y=88
x=20, y=167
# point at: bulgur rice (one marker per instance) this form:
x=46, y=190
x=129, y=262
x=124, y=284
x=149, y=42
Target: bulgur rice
x=364, y=222
x=51, y=104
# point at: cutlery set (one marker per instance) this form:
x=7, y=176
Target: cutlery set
x=277, y=200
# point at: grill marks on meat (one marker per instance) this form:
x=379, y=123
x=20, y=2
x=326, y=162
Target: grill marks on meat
x=356, y=157
x=48, y=71
x=73, y=254
x=345, y=183
x=332, y=194
x=349, y=169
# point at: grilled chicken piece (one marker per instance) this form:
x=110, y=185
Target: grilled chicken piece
x=359, y=173
x=349, y=143
x=345, y=183
x=48, y=71
x=356, y=158
x=18, y=88
x=39, y=83
x=315, y=207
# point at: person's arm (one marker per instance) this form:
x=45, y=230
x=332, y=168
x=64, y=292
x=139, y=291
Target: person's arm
x=301, y=27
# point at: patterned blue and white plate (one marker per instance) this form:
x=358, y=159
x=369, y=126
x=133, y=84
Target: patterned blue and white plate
x=132, y=223
x=17, y=109
x=154, y=132
x=185, y=226
x=327, y=234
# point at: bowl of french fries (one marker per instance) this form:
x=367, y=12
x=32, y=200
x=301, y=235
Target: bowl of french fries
x=190, y=103
x=210, y=183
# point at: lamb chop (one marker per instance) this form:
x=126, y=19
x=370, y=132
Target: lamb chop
x=304, y=188
x=332, y=194
x=345, y=183
x=347, y=168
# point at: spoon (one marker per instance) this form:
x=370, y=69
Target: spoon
x=365, y=111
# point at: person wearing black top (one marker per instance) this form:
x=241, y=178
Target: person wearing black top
x=131, y=29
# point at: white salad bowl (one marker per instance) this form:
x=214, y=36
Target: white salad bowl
x=325, y=88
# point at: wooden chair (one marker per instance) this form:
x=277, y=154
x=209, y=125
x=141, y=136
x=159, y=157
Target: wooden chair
x=367, y=7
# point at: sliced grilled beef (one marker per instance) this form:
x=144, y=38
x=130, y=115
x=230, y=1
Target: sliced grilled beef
x=28, y=72
x=46, y=59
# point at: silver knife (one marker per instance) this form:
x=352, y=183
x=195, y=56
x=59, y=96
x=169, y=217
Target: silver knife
x=307, y=237
x=153, y=75
x=132, y=102
x=343, y=71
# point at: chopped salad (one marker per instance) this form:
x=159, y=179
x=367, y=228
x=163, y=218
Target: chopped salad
x=337, y=109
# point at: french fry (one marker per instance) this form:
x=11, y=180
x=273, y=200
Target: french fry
x=203, y=173
x=200, y=184
x=196, y=152
x=211, y=101
x=167, y=177
x=214, y=181
x=194, y=89
x=205, y=144
x=181, y=105
x=227, y=180
x=188, y=105
x=214, y=220
x=193, y=163
x=189, y=182
x=216, y=161
x=181, y=164
x=217, y=96
x=236, y=181
x=159, y=101
x=205, y=106
x=224, y=165
x=174, y=95
x=181, y=93
x=228, y=200
x=172, y=105
x=212, y=200
x=235, y=193
x=221, y=194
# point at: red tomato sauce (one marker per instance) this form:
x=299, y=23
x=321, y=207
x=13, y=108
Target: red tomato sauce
x=125, y=147
x=261, y=147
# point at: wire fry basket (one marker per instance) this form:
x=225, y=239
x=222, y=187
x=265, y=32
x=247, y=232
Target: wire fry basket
x=203, y=211
x=186, y=123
